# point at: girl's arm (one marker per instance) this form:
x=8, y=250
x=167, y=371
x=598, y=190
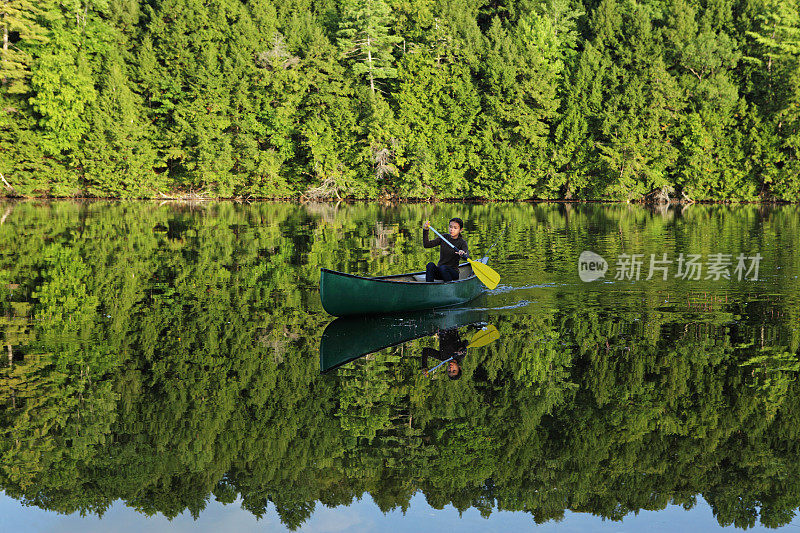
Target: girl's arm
x=429, y=243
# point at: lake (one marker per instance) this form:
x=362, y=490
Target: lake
x=170, y=367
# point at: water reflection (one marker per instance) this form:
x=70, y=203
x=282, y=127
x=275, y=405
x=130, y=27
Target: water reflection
x=453, y=348
x=165, y=355
x=348, y=338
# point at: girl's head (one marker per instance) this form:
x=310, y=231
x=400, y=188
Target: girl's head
x=455, y=227
x=453, y=370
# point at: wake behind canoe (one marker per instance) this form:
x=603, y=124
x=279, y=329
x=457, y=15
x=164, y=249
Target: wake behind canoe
x=346, y=294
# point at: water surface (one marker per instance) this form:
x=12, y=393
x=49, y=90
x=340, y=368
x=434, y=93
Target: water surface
x=166, y=359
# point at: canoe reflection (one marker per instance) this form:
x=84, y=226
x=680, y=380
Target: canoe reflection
x=349, y=338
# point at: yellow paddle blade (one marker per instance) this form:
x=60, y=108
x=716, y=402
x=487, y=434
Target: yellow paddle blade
x=485, y=273
x=483, y=337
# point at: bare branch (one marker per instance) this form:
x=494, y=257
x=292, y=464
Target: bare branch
x=8, y=185
x=699, y=77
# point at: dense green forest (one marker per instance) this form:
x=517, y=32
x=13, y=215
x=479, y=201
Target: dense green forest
x=166, y=355
x=574, y=99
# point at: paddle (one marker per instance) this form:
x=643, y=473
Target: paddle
x=431, y=371
x=481, y=338
x=485, y=273
x=484, y=336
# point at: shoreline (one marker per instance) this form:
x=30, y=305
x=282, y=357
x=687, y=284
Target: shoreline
x=193, y=198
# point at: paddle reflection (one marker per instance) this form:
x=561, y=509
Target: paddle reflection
x=349, y=338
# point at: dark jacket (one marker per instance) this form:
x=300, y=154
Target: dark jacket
x=450, y=345
x=447, y=256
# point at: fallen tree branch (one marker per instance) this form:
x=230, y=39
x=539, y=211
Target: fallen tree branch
x=8, y=185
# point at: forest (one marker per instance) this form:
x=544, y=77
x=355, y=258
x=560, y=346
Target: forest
x=168, y=355
x=650, y=100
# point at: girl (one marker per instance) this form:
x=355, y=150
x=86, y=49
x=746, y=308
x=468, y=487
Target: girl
x=447, y=269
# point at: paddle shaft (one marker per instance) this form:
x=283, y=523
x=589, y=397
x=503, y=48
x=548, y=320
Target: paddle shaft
x=440, y=364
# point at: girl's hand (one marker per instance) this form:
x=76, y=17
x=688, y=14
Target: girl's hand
x=426, y=224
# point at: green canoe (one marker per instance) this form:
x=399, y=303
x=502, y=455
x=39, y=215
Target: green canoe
x=349, y=338
x=346, y=294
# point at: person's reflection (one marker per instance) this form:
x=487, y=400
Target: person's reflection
x=452, y=349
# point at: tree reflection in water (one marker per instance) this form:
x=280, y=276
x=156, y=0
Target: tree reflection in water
x=161, y=355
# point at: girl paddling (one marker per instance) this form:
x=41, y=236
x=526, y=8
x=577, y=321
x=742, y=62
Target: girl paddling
x=447, y=269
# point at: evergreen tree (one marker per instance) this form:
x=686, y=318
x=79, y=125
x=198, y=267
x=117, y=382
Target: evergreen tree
x=526, y=71
x=438, y=106
x=642, y=102
x=366, y=42
x=712, y=158
x=608, y=99
x=23, y=32
x=773, y=52
x=63, y=85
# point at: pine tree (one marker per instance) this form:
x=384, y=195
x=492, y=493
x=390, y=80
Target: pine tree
x=773, y=52
x=366, y=41
x=189, y=64
x=641, y=105
x=23, y=32
x=527, y=76
x=117, y=156
x=574, y=154
x=438, y=107
x=712, y=161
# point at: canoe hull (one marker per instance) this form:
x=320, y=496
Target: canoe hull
x=349, y=338
x=347, y=295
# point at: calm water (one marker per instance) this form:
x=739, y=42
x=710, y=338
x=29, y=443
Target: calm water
x=166, y=362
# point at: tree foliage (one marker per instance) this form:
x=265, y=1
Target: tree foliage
x=569, y=99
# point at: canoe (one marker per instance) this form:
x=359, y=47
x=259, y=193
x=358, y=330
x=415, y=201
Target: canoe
x=346, y=294
x=352, y=337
